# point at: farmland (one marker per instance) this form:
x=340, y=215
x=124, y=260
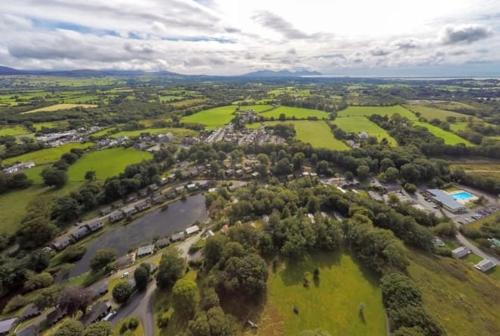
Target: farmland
x=315, y=133
x=13, y=130
x=58, y=107
x=256, y=108
x=448, y=137
x=331, y=304
x=212, y=118
x=180, y=132
x=366, y=111
x=46, y=155
x=294, y=112
x=478, y=167
x=50, y=124
x=363, y=124
x=430, y=113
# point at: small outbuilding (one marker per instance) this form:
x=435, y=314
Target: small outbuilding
x=192, y=230
x=460, y=252
x=145, y=250
x=485, y=265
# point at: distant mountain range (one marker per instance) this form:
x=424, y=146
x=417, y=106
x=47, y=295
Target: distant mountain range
x=6, y=71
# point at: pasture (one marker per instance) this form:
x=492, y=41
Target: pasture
x=179, y=132
x=331, y=303
x=50, y=124
x=58, y=107
x=46, y=155
x=479, y=167
x=315, y=133
x=363, y=124
x=448, y=137
x=294, y=112
x=256, y=108
x=366, y=111
x=15, y=130
x=430, y=113
x=212, y=118
x=182, y=104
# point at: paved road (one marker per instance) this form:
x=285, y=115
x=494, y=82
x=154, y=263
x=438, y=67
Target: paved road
x=140, y=304
x=475, y=249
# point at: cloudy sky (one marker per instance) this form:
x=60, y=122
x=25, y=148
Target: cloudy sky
x=227, y=37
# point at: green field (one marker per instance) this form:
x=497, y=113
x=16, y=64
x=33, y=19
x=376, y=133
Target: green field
x=315, y=133
x=58, y=107
x=13, y=130
x=106, y=163
x=212, y=118
x=430, y=113
x=331, y=304
x=256, y=108
x=46, y=155
x=458, y=126
x=448, y=137
x=465, y=301
x=179, y=132
x=363, y=124
x=294, y=112
x=366, y=111
x=477, y=167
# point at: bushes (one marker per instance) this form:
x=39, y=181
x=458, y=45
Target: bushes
x=73, y=253
x=445, y=229
x=122, y=291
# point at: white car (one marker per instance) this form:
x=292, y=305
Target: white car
x=110, y=315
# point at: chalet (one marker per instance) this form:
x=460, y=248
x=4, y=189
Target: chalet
x=157, y=199
x=30, y=311
x=143, y=205
x=172, y=193
x=143, y=192
x=55, y=316
x=96, y=313
x=191, y=187
x=132, y=198
x=460, y=252
x=485, y=265
x=161, y=243
x=179, y=190
x=145, y=250
x=7, y=325
x=95, y=225
x=105, y=211
x=100, y=290
x=80, y=233
x=178, y=237
x=125, y=260
x=153, y=187
x=116, y=215
x=61, y=243
x=129, y=211
x=203, y=185
x=192, y=230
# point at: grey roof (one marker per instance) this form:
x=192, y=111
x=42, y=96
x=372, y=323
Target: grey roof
x=445, y=199
x=6, y=325
x=148, y=249
x=29, y=331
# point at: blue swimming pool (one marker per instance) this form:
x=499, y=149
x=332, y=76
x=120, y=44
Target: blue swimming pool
x=462, y=196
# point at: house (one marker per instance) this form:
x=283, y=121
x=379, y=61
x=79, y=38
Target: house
x=61, y=243
x=6, y=325
x=460, y=252
x=30, y=311
x=96, y=313
x=100, y=290
x=105, y=211
x=203, y=185
x=178, y=237
x=95, y=225
x=446, y=201
x=153, y=187
x=157, y=199
x=80, y=233
x=161, y=243
x=145, y=250
x=179, y=190
x=125, y=260
x=485, y=265
x=191, y=187
x=132, y=198
x=143, y=192
x=142, y=205
x=129, y=211
x=192, y=230
x=116, y=215
x=55, y=316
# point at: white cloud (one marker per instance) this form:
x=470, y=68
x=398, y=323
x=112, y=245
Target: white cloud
x=231, y=37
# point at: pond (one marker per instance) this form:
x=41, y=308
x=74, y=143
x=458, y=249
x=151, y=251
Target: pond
x=157, y=223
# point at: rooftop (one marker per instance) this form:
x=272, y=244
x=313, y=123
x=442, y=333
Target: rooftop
x=446, y=199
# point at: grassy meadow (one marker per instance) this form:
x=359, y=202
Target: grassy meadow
x=16, y=130
x=46, y=155
x=330, y=304
x=366, y=111
x=363, y=124
x=212, y=118
x=294, y=112
x=256, y=108
x=430, y=113
x=58, y=107
x=448, y=137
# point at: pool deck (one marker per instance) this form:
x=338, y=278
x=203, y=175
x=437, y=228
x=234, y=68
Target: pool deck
x=463, y=200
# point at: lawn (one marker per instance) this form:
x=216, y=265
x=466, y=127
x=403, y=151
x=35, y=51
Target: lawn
x=331, y=304
x=212, y=118
x=46, y=155
x=448, y=137
x=294, y=112
x=465, y=301
x=366, y=111
x=179, y=132
x=106, y=163
x=363, y=124
x=50, y=124
x=58, y=107
x=430, y=113
x=13, y=130
x=315, y=133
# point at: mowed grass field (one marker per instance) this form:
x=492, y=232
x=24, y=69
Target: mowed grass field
x=212, y=118
x=58, y=107
x=430, y=113
x=105, y=163
x=448, y=137
x=363, y=124
x=256, y=108
x=465, y=301
x=180, y=132
x=13, y=130
x=294, y=112
x=50, y=124
x=315, y=133
x=331, y=304
x=366, y=111
x=46, y=155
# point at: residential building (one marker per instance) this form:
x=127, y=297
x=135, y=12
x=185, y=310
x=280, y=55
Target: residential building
x=145, y=250
x=460, y=252
x=485, y=265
